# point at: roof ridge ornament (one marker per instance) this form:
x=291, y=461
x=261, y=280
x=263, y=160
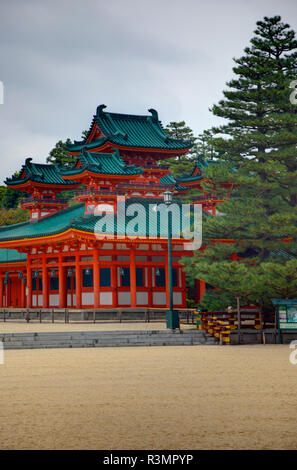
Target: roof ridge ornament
x=99, y=111
x=154, y=114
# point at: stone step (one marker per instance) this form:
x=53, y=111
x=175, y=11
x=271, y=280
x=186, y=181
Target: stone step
x=81, y=339
x=105, y=344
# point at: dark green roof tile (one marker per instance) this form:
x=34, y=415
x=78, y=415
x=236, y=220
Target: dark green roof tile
x=130, y=131
x=101, y=163
x=39, y=173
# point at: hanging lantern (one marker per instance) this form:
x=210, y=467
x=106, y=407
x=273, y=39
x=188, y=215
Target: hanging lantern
x=20, y=276
x=167, y=197
x=5, y=281
x=69, y=272
x=7, y=275
x=35, y=274
x=53, y=272
x=24, y=280
x=122, y=272
x=88, y=271
x=158, y=272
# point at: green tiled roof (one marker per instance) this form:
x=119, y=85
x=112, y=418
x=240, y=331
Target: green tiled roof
x=170, y=179
x=10, y=256
x=50, y=225
x=39, y=173
x=101, y=163
x=74, y=217
x=130, y=131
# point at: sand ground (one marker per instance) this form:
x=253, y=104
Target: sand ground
x=193, y=397
x=22, y=326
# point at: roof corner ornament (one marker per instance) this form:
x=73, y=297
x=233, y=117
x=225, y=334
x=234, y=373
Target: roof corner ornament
x=154, y=114
x=99, y=111
x=28, y=161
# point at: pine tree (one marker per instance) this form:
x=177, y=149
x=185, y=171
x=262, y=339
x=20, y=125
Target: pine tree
x=60, y=156
x=11, y=198
x=258, y=156
x=182, y=164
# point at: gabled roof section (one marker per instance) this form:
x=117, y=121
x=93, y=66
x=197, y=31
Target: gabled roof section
x=38, y=173
x=129, y=130
x=102, y=164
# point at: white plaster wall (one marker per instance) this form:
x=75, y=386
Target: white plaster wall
x=54, y=300
x=141, y=298
x=124, y=298
x=105, y=298
x=87, y=298
x=159, y=298
x=177, y=298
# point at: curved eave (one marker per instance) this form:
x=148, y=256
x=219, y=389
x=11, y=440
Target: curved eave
x=73, y=232
x=85, y=173
x=30, y=183
x=110, y=143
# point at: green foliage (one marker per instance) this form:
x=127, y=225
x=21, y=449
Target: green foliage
x=258, y=157
x=60, y=156
x=13, y=216
x=10, y=198
x=183, y=164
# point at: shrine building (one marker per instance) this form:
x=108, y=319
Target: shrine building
x=58, y=258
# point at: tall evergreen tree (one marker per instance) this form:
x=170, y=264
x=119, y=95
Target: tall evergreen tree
x=258, y=156
x=59, y=155
x=183, y=164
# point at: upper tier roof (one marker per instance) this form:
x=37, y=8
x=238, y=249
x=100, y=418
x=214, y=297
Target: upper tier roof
x=38, y=173
x=129, y=131
x=102, y=164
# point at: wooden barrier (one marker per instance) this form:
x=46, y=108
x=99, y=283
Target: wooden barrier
x=220, y=324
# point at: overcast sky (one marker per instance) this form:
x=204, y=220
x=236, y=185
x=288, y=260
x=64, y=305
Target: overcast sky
x=60, y=59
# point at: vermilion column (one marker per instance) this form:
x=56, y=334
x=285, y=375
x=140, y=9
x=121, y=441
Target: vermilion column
x=29, y=282
x=132, y=278
x=77, y=282
x=23, y=294
x=44, y=283
x=96, y=277
x=62, y=286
